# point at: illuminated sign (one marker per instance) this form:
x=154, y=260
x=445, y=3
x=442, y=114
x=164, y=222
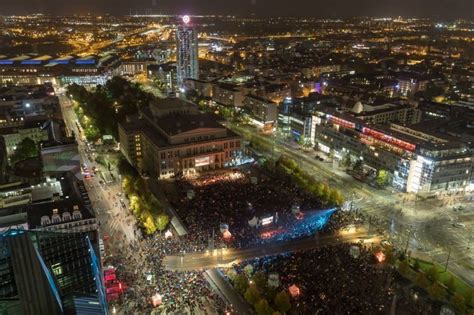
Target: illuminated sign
x=202, y=161
x=59, y=62
x=85, y=62
x=31, y=62
x=389, y=139
x=341, y=122
x=267, y=220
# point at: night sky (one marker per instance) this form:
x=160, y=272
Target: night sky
x=328, y=8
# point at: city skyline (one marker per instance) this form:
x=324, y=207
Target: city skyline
x=320, y=9
x=205, y=157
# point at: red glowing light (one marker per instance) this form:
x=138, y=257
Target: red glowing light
x=294, y=290
x=380, y=257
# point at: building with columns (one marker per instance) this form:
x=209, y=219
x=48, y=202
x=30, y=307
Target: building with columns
x=171, y=138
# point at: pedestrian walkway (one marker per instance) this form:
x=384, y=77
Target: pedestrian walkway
x=227, y=293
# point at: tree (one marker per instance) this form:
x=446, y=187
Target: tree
x=282, y=302
x=389, y=255
x=125, y=169
x=26, y=149
x=248, y=269
x=416, y=265
x=127, y=185
x=92, y=133
x=241, y=283
x=149, y=224
x=162, y=221
x=346, y=161
x=335, y=197
x=358, y=166
x=262, y=308
x=421, y=280
x=458, y=302
x=469, y=297
x=260, y=280
x=451, y=284
x=404, y=267
x=136, y=204
x=436, y=291
x=325, y=192
x=433, y=274
x=382, y=178
x=252, y=295
x=140, y=186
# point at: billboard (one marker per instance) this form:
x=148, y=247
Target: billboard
x=267, y=220
x=202, y=161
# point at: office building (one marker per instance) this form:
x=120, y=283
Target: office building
x=46, y=273
x=419, y=159
x=187, y=58
x=35, y=130
x=263, y=112
x=31, y=69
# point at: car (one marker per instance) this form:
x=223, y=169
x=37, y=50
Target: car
x=459, y=225
x=385, y=243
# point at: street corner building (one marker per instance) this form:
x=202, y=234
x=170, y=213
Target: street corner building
x=171, y=138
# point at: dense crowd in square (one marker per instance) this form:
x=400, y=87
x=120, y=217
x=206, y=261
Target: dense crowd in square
x=331, y=280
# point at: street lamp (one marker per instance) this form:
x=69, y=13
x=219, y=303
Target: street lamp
x=447, y=260
x=408, y=239
x=469, y=241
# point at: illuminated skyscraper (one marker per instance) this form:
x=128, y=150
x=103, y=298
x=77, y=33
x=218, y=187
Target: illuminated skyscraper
x=187, y=62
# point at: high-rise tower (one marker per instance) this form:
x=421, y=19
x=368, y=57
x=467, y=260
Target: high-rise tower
x=187, y=63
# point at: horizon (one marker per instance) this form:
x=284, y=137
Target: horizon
x=443, y=9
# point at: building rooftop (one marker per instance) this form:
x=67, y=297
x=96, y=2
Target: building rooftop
x=173, y=125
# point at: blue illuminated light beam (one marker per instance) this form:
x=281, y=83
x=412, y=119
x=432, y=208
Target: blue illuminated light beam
x=312, y=222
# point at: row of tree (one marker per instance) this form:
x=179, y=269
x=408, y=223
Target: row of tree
x=303, y=179
x=430, y=281
x=143, y=204
x=382, y=178
x=257, y=293
x=100, y=110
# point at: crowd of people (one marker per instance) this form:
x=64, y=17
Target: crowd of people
x=141, y=269
x=232, y=199
x=331, y=280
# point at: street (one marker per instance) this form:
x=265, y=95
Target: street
x=116, y=221
x=228, y=256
